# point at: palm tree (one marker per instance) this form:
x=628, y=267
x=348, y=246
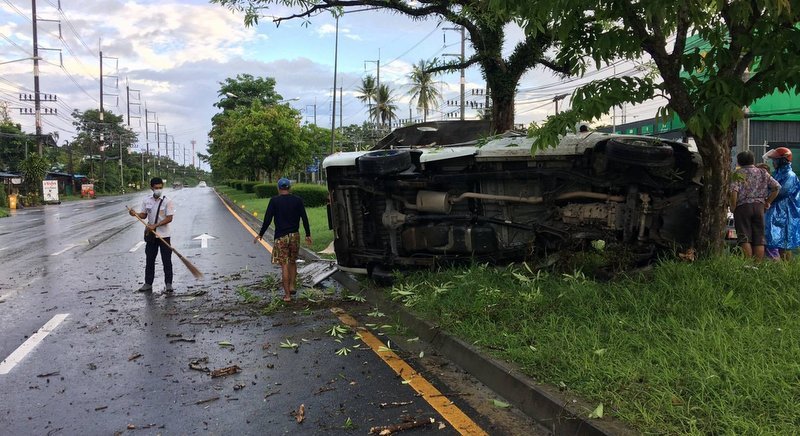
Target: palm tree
x=423, y=87
x=385, y=107
x=367, y=92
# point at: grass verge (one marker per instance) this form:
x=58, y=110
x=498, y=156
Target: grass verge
x=317, y=216
x=3, y=212
x=711, y=347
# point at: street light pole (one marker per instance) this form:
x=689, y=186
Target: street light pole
x=335, y=68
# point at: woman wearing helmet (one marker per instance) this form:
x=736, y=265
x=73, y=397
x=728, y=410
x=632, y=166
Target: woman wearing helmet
x=782, y=218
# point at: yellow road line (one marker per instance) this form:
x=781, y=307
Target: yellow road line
x=449, y=411
x=252, y=232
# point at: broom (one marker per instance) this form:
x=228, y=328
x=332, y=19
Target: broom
x=192, y=269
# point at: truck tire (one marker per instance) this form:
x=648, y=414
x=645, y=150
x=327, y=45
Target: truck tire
x=383, y=162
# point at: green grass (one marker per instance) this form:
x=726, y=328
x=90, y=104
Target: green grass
x=711, y=347
x=3, y=212
x=317, y=216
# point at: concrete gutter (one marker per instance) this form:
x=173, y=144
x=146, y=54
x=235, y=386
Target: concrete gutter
x=557, y=411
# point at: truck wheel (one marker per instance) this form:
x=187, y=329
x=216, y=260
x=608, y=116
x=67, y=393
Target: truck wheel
x=382, y=162
x=640, y=152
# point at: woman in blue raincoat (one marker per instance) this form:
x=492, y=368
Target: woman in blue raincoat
x=782, y=219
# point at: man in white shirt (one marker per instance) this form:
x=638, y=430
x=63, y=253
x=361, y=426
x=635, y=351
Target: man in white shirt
x=158, y=210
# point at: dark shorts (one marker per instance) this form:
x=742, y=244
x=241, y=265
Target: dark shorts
x=749, y=221
x=286, y=249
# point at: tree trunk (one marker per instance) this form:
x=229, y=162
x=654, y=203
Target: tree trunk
x=715, y=151
x=502, y=109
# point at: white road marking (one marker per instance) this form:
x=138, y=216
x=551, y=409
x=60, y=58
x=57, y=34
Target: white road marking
x=4, y=248
x=204, y=239
x=137, y=246
x=14, y=358
x=69, y=247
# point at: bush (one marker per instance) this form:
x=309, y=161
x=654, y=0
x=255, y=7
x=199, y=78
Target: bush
x=312, y=195
x=236, y=184
x=265, y=190
x=248, y=186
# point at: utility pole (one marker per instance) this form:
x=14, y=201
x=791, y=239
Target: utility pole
x=193, y=155
x=36, y=98
x=335, y=70
x=558, y=98
x=341, y=98
x=461, y=57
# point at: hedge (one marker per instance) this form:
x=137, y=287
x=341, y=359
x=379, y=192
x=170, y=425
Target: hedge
x=265, y=190
x=248, y=186
x=312, y=195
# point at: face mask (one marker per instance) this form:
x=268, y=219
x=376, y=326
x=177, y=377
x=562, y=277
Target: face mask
x=156, y=193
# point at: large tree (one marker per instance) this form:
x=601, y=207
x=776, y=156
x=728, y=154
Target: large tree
x=256, y=141
x=745, y=50
x=385, y=109
x=486, y=31
x=367, y=92
x=98, y=142
x=423, y=87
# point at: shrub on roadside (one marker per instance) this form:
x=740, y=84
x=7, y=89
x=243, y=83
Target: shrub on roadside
x=312, y=195
x=248, y=186
x=265, y=190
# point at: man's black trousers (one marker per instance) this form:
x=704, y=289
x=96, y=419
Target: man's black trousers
x=151, y=250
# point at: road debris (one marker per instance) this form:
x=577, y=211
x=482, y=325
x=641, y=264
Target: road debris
x=392, y=429
x=300, y=413
x=172, y=341
x=222, y=372
x=197, y=364
x=238, y=387
x=99, y=408
x=208, y=400
x=395, y=404
x=49, y=374
x=134, y=356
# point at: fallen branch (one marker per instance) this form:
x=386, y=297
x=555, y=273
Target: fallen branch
x=391, y=429
x=206, y=401
x=395, y=404
x=134, y=357
x=222, y=372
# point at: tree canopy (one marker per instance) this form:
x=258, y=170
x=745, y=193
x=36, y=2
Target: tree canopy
x=485, y=29
x=710, y=60
x=254, y=136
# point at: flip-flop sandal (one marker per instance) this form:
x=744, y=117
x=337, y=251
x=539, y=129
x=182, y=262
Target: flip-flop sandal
x=287, y=300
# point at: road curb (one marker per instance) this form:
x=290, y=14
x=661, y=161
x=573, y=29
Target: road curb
x=558, y=412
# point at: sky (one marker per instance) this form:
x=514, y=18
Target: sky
x=173, y=55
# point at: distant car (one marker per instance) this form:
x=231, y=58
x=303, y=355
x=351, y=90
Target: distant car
x=202, y=184
x=430, y=195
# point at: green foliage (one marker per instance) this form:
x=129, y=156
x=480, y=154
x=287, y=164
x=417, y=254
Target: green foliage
x=12, y=146
x=672, y=351
x=265, y=190
x=34, y=168
x=312, y=195
x=248, y=186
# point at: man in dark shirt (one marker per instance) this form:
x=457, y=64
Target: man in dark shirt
x=287, y=209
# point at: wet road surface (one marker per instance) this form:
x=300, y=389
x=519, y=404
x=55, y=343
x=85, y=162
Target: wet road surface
x=86, y=354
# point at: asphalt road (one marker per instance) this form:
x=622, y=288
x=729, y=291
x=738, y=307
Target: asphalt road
x=84, y=353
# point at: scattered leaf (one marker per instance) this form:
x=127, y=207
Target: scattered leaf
x=597, y=413
x=501, y=404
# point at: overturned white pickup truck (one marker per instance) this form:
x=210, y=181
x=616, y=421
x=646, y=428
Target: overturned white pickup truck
x=418, y=201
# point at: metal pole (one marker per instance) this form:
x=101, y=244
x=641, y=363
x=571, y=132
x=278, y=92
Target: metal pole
x=335, y=68
x=37, y=101
x=463, y=81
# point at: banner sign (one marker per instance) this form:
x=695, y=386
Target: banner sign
x=50, y=190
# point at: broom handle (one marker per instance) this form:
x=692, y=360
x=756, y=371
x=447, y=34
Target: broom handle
x=153, y=231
